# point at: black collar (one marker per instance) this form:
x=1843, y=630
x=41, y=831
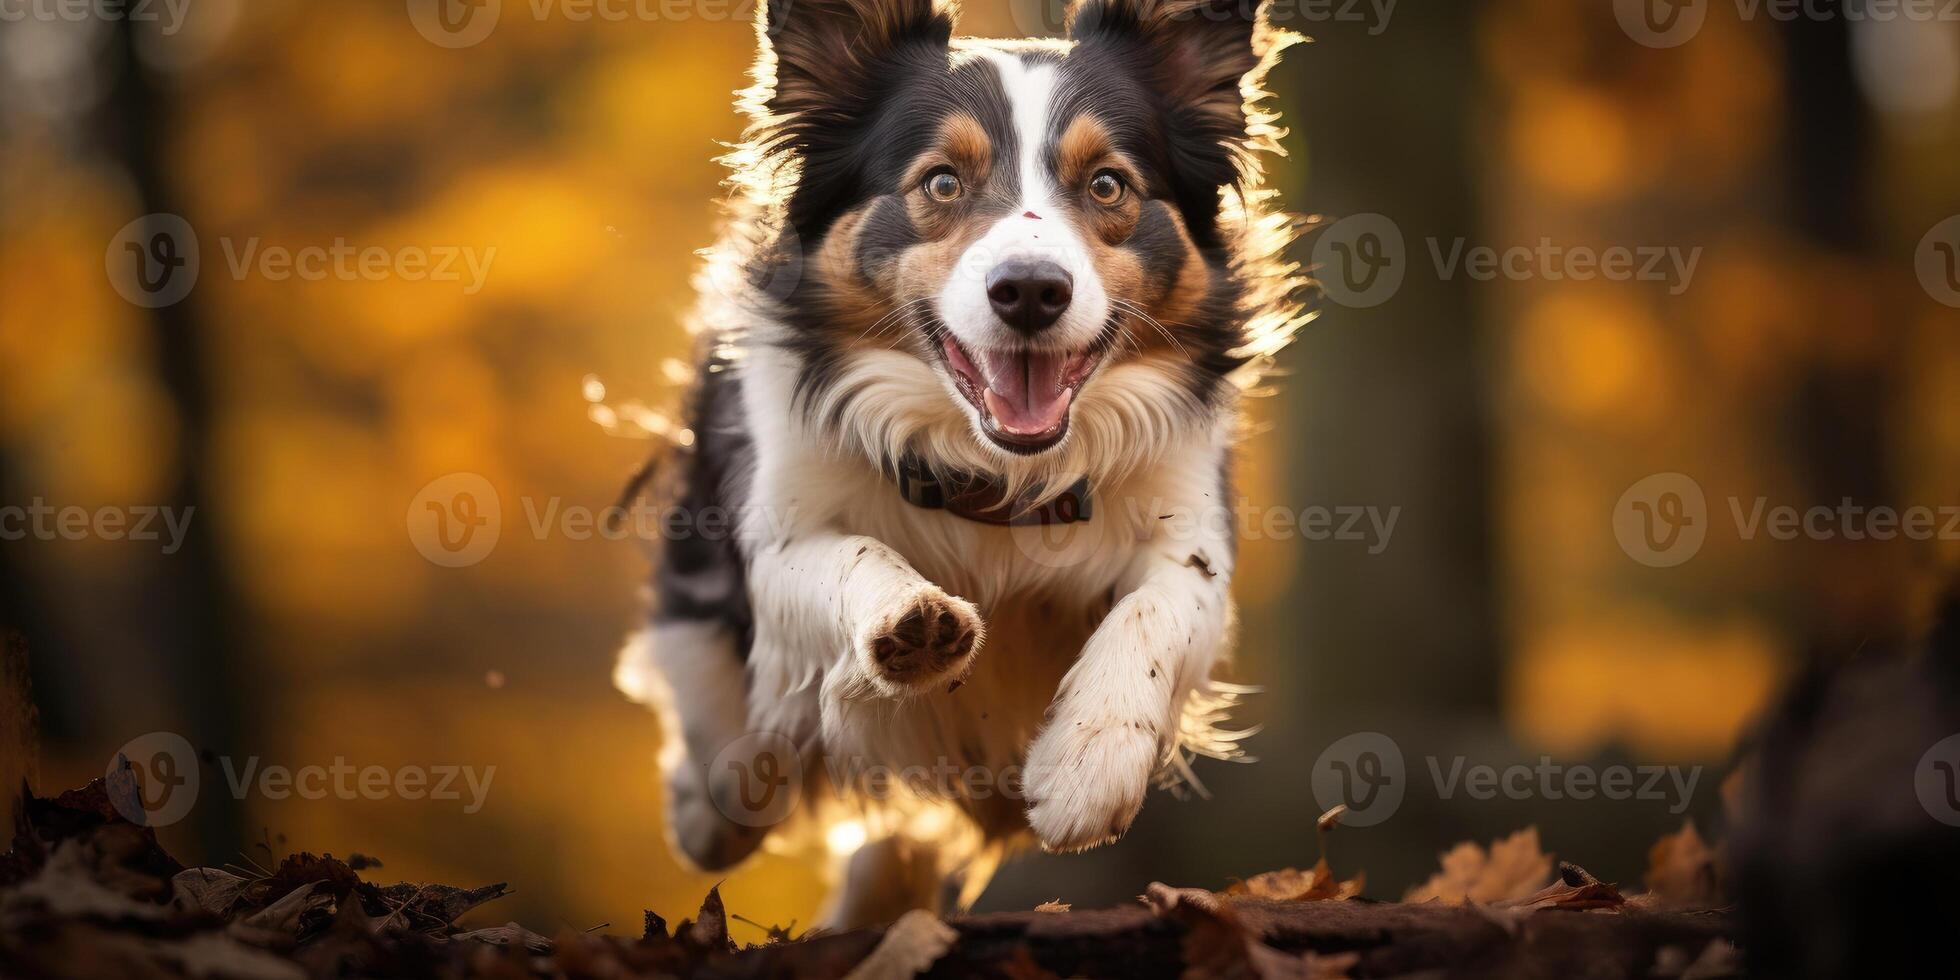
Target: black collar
x=982, y=497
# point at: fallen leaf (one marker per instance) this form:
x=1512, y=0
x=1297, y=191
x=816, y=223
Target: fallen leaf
x=710, y=930
x=288, y=916
x=910, y=947
x=206, y=890
x=1332, y=818
x=1217, y=943
x=1575, y=889
x=1514, y=868
x=1681, y=870
x=508, y=934
x=425, y=906
x=1294, y=885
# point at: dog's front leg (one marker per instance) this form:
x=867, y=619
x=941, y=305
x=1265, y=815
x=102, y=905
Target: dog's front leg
x=1115, y=717
x=852, y=610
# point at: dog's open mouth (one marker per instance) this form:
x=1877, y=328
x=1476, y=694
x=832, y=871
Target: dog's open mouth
x=1023, y=395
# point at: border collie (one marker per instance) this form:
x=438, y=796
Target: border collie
x=973, y=348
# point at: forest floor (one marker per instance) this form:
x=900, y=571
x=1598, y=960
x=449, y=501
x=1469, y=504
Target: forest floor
x=85, y=893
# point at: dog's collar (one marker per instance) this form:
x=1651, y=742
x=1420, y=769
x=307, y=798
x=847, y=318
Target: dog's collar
x=982, y=497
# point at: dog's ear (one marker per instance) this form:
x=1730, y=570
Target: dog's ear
x=832, y=57
x=1196, y=54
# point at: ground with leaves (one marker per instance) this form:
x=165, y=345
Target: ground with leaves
x=84, y=893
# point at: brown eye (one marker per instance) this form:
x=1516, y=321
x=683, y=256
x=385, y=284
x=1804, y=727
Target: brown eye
x=1106, y=187
x=943, y=186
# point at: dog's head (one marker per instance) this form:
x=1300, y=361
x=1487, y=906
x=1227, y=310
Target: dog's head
x=1022, y=220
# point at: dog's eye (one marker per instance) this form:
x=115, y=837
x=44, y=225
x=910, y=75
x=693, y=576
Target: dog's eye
x=943, y=185
x=1106, y=187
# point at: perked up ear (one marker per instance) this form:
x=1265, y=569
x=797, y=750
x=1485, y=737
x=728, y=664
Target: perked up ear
x=1202, y=57
x=831, y=57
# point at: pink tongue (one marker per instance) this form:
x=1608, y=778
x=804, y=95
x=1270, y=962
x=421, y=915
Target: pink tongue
x=1024, y=390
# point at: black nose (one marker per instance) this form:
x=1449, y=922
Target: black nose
x=1030, y=296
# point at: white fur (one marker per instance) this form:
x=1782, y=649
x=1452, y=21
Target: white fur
x=1100, y=637
x=962, y=301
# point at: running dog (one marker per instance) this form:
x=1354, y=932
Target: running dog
x=974, y=344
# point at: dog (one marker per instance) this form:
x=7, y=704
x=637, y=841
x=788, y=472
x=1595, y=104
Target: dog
x=974, y=346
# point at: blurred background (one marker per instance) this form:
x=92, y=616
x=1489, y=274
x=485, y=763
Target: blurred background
x=1811, y=356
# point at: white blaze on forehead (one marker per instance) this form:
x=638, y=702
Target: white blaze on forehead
x=1031, y=91
x=1031, y=94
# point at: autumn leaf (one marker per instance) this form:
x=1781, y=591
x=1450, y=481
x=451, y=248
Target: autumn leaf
x=1682, y=872
x=1575, y=889
x=1217, y=942
x=1514, y=868
x=1294, y=885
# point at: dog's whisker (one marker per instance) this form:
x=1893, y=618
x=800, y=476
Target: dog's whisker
x=1144, y=315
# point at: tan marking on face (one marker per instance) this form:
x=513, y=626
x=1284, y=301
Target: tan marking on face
x=853, y=301
x=963, y=146
x=948, y=229
x=1171, y=303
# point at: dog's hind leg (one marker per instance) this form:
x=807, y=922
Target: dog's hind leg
x=885, y=879
x=690, y=671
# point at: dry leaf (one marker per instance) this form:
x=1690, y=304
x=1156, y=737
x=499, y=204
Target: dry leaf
x=284, y=916
x=1575, y=889
x=910, y=947
x=206, y=890
x=1294, y=885
x=1332, y=818
x=1514, y=868
x=508, y=934
x=1217, y=943
x=1055, y=906
x=1681, y=870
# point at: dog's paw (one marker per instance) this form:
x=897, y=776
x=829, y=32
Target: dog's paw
x=1086, y=779
x=924, y=639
